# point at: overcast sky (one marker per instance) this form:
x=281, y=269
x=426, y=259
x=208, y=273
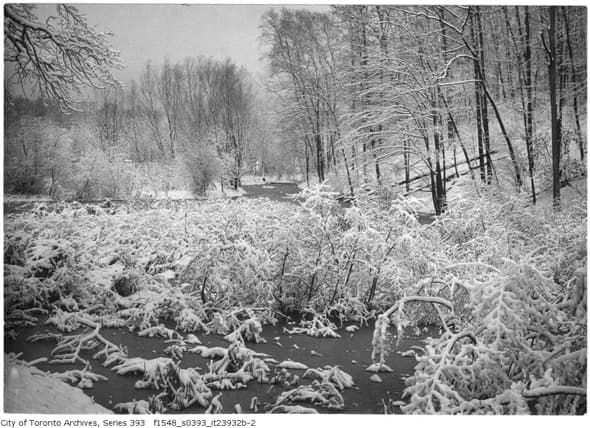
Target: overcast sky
x=154, y=31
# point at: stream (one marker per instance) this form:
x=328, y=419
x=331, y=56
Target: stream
x=352, y=352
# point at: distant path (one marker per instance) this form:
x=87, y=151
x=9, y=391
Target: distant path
x=280, y=192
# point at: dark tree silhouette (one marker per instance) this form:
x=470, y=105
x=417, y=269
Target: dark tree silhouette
x=58, y=57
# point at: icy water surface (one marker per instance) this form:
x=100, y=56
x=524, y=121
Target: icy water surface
x=352, y=353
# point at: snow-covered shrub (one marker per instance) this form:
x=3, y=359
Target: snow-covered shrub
x=504, y=282
x=523, y=276
x=36, y=153
x=95, y=176
x=204, y=165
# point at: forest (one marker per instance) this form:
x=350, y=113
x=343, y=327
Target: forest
x=440, y=226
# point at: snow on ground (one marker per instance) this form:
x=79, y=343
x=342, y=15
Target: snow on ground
x=464, y=188
x=250, y=180
x=575, y=191
x=30, y=390
x=26, y=198
x=228, y=192
x=175, y=194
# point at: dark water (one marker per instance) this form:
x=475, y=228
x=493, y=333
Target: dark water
x=280, y=192
x=365, y=397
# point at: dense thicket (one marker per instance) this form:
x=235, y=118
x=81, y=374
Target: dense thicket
x=505, y=285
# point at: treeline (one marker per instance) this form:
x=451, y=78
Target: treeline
x=199, y=119
x=371, y=99
x=374, y=95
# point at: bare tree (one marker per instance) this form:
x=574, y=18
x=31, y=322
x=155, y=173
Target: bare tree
x=302, y=59
x=523, y=54
x=574, y=75
x=58, y=57
x=168, y=89
x=151, y=112
x=109, y=120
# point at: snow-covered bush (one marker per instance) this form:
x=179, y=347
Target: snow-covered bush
x=225, y=255
x=504, y=282
x=205, y=166
x=515, y=337
x=36, y=154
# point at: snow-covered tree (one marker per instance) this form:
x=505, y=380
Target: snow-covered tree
x=58, y=57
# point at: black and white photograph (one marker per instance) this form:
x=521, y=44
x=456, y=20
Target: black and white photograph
x=245, y=209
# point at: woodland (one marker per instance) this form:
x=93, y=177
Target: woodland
x=472, y=117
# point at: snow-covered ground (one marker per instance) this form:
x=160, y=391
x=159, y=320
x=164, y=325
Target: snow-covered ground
x=249, y=180
x=228, y=192
x=174, y=194
x=30, y=390
x=26, y=198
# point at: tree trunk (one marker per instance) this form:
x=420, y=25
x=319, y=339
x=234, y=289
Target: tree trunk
x=574, y=83
x=555, y=125
x=384, y=50
x=509, y=62
x=509, y=145
x=501, y=92
x=319, y=149
x=484, y=105
x=347, y=173
x=407, y=163
x=333, y=150
x=455, y=160
x=523, y=57
x=319, y=158
x=306, y=162
x=376, y=160
x=431, y=173
x=478, y=102
x=352, y=93
x=364, y=66
x=528, y=110
x=364, y=162
x=511, y=151
x=456, y=134
x=441, y=203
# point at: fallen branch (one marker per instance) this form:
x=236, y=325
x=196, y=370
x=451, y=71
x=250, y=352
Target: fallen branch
x=554, y=390
x=71, y=346
x=160, y=331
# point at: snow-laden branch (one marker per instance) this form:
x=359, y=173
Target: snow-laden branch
x=422, y=299
x=554, y=390
x=58, y=57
